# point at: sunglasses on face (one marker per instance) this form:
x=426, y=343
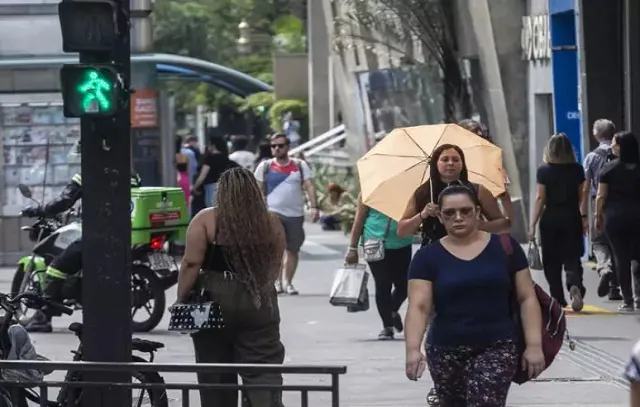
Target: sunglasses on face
x=278, y=145
x=451, y=213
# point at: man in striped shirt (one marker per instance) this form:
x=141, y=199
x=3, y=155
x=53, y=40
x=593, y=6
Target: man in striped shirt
x=603, y=132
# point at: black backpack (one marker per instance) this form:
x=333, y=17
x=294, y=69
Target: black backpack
x=607, y=154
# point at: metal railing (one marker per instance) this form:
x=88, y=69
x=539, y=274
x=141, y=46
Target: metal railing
x=184, y=388
x=333, y=133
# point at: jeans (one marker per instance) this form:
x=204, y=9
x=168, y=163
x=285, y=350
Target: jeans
x=210, y=191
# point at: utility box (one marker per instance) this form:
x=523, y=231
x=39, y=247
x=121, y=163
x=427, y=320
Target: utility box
x=158, y=210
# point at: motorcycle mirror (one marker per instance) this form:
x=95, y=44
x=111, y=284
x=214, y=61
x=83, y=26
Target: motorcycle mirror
x=25, y=191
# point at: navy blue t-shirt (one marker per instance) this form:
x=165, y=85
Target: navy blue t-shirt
x=472, y=299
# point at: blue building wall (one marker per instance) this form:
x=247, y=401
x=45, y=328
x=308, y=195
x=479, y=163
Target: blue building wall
x=566, y=72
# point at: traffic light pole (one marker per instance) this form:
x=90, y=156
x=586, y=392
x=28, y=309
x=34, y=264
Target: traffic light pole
x=106, y=220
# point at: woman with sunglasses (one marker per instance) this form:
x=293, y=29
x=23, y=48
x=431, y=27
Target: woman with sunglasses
x=447, y=167
x=466, y=281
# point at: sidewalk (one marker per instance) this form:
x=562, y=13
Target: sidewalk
x=314, y=332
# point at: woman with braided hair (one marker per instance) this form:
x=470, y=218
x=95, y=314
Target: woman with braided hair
x=237, y=247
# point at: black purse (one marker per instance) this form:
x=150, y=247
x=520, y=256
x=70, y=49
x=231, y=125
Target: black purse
x=198, y=313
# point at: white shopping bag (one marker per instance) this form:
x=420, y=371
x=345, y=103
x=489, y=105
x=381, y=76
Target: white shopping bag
x=349, y=284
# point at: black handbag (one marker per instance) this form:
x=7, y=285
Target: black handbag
x=198, y=313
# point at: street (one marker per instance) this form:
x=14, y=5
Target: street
x=314, y=332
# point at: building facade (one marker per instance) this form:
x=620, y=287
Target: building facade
x=536, y=50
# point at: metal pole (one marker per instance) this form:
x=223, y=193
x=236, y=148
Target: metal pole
x=106, y=169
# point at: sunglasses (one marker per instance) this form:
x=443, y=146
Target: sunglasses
x=450, y=213
x=278, y=145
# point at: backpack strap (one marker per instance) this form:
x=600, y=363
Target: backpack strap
x=299, y=167
x=505, y=241
x=507, y=246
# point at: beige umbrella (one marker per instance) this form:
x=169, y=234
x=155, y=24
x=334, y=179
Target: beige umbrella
x=395, y=167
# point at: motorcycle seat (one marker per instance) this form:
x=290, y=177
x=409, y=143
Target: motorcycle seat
x=145, y=346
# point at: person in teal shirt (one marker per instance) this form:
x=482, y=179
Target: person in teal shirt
x=390, y=273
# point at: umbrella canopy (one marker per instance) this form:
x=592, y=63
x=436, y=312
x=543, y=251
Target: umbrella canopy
x=395, y=167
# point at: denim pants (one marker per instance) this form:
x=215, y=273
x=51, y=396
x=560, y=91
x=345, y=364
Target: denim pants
x=210, y=191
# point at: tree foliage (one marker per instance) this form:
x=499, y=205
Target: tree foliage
x=400, y=24
x=208, y=29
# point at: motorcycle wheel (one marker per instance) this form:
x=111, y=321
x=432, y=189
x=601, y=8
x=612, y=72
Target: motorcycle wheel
x=24, y=282
x=145, y=287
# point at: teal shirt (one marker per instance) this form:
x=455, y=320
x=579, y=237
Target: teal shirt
x=376, y=224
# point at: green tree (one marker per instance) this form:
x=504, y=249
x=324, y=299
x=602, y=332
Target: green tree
x=208, y=29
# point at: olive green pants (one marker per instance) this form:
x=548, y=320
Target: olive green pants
x=251, y=336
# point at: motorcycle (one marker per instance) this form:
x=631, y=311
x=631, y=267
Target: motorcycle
x=152, y=269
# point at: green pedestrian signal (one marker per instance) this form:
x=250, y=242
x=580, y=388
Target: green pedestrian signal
x=90, y=90
x=95, y=90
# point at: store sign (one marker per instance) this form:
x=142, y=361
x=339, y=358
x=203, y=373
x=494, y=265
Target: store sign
x=144, y=108
x=536, y=38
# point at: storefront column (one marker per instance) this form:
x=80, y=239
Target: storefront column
x=601, y=64
x=632, y=65
x=564, y=60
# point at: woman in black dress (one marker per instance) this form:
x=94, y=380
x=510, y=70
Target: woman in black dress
x=617, y=203
x=561, y=208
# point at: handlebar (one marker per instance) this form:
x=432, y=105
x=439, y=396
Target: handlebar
x=33, y=300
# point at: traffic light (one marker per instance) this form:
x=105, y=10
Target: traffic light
x=88, y=25
x=91, y=90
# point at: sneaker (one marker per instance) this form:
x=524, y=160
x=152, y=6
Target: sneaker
x=576, y=298
x=604, y=284
x=386, y=334
x=279, y=289
x=291, y=290
x=39, y=323
x=627, y=307
x=614, y=295
x=397, y=322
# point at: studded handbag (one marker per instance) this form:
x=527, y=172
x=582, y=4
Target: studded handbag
x=198, y=313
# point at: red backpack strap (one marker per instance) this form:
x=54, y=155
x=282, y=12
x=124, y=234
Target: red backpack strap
x=507, y=246
x=505, y=240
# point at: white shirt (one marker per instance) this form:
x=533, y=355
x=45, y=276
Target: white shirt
x=243, y=158
x=285, y=195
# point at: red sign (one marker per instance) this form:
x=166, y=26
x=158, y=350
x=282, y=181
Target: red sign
x=164, y=218
x=144, y=108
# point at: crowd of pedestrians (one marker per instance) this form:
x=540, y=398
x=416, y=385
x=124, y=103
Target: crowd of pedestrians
x=460, y=283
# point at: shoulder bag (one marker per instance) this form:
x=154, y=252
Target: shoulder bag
x=373, y=248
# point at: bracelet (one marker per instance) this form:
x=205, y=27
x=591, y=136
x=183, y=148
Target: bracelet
x=353, y=249
x=420, y=216
x=584, y=216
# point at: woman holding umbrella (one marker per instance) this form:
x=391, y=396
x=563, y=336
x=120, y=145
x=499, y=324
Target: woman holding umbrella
x=447, y=167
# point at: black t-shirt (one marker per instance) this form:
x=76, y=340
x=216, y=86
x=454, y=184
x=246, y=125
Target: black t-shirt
x=218, y=163
x=562, y=184
x=622, y=183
